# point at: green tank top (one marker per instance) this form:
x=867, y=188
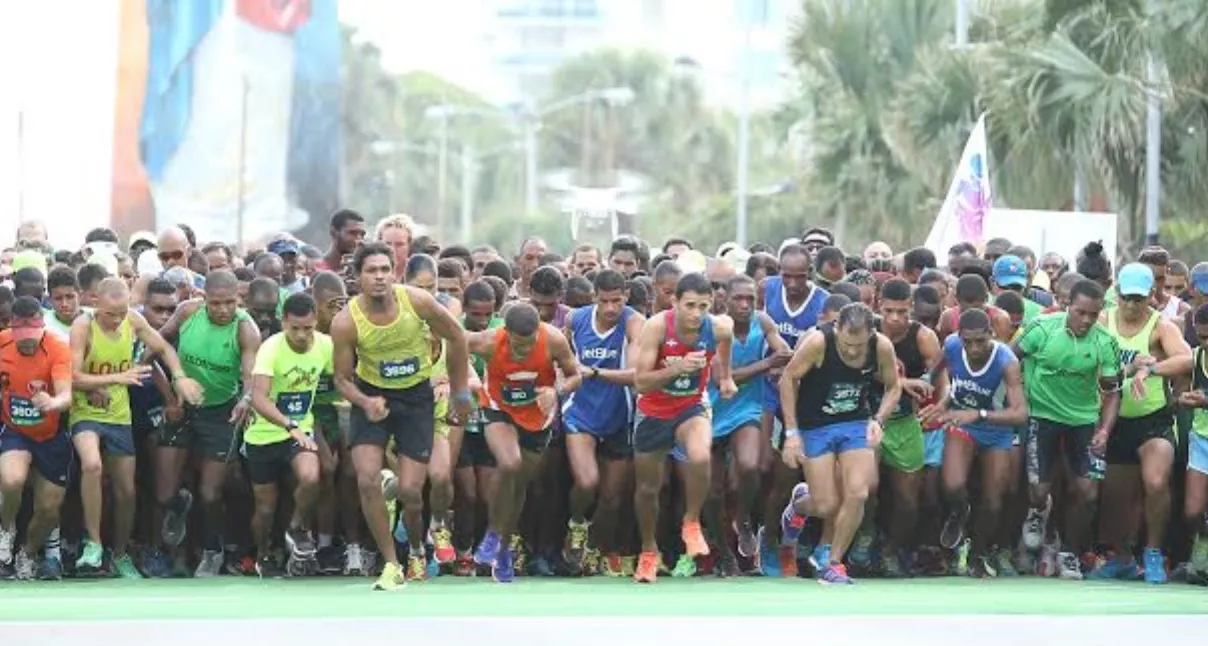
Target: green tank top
x=210, y=354
x=1131, y=348
x=107, y=355
x=396, y=355
x=480, y=365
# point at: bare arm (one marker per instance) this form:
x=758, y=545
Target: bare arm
x=344, y=357
x=723, y=330
x=444, y=325
x=262, y=404
x=565, y=358
x=933, y=356
x=805, y=358
x=887, y=374
x=157, y=345
x=249, y=344
x=171, y=330
x=1002, y=326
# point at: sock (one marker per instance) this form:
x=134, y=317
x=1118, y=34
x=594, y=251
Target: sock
x=324, y=540
x=52, y=547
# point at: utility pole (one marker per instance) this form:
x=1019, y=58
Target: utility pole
x=242, y=161
x=469, y=168
x=442, y=175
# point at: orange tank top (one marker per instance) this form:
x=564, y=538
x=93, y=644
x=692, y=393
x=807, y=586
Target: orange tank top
x=511, y=384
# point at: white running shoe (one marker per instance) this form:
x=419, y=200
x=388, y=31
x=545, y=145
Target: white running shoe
x=353, y=560
x=7, y=538
x=1068, y=567
x=210, y=565
x=1046, y=565
x=1034, y=527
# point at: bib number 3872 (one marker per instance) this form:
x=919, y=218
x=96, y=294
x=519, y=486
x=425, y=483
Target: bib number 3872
x=399, y=369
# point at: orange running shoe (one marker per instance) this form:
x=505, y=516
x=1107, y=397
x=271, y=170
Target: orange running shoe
x=788, y=561
x=441, y=538
x=694, y=539
x=648, y=567
x=612, y=565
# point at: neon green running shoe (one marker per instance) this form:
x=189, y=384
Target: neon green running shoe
x=685, y=567
x=90, y=559
x=123, y=566
x=1199, y=554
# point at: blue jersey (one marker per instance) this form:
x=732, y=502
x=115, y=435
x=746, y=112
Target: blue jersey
x=746, y=406
x=977, y=390
x=792, y=324
x=597, y=405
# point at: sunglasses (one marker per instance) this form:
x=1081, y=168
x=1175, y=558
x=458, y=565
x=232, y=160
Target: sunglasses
x=169, y=256
x=1134, y=298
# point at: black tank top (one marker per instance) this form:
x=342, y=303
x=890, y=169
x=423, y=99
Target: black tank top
x=1199, y=380
x=911, y=365
x=1189, y=334
x=835, y=392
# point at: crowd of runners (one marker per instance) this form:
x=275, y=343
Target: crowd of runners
x=389, y=407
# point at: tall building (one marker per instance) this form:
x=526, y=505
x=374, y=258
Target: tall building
x=529, y=38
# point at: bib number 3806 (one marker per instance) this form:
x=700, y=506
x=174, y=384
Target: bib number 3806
x=23, y=411
x=399, y=369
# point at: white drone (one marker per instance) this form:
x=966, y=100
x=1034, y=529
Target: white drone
x=594, y=208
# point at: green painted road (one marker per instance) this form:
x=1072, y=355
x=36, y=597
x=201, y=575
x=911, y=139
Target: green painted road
x=228, y=598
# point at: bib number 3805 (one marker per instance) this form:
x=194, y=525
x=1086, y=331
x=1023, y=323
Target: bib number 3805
x=399, y=369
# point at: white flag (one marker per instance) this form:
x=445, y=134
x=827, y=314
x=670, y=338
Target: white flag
x=962, y=216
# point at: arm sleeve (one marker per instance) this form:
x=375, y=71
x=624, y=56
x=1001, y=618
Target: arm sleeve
x=1109, y=356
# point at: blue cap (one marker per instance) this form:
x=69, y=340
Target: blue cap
x=282, y=247
x=1135, y=279
x=1010, y=271
x=1199, y=278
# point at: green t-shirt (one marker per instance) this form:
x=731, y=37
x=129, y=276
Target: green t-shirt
x=295, y=379
x=210, y=354
x=1063, y=371
x=1031, y=309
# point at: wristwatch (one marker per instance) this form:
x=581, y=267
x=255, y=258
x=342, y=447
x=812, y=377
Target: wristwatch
x=291, y=425
x=982, y=414
x=595, y=372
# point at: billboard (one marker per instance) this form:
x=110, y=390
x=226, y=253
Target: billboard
x=227, y=117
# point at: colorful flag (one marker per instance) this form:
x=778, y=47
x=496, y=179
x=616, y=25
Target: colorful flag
x=963, y=214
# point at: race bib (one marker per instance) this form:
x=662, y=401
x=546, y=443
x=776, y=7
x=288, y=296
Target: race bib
x=23, y=412
x=326, y=385
x=842, y=398
x=399, y=369
x=684, y=385
x=293, y=405
x=522, y=395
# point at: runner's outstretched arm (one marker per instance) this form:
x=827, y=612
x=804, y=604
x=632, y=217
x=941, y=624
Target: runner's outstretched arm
x=646, y=378
x=185, y=388
x=567, y=364
x=344, y=356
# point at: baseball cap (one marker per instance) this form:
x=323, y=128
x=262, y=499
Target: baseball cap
x=104, y=259
x=725, y=248
x=1009, y=271
x=692, y=261
x=737, y=258
x=148, y=265
x=284, y=246
x=27, y=327
x=29, y=258
x=143, y=237
x=1199, y=277
x=1135, y=279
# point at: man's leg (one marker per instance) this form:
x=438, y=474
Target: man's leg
x=616, y=478
x=121, y=470
x=996, y=476
x=305, y=467
x=367, y=460
x=585, y=473
x=48, y=500
x=88, y=447
x=695, y=435
x=1157, y=460
x=440, y=497
x=14, y=473
x=746, y=446
x=265, y=511
x=954, y=477
x=859, y=469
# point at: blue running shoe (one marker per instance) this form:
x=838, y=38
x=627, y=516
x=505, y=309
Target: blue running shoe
x=791, y=522
x=769, y=563
x=1155, y=566
x=835, y=573
x=861, y=551
x=488, y=550
x=50, y=570
x=502, y=571
x=820, y=558
x=541, y=567
x=1115, y=568
x=158, y=566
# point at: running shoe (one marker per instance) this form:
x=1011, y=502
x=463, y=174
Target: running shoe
x=1068, y=567
x=1003, y=563
x=861, y=548
x=123, y=567
x=959, y=565
x=331, y=561
x=727, y=565
x=520, y=553
x=24, y=568
x=441, y=538
x=835, y=573
x=464, y=566
x=787, y=554
x=791, y=522
x=489, y=549
x=540, y=566
x=954, y=527
x=591, y=562
x=611, y=565
x=1046, y=565
x=1155, y=566
x=7, y=538
x=268, y=568
x=503, y=571
x=629, y=565
x=51, y=569
x=301, y=544
x=392, y=577
x=820, y=558
x=982, y=567
x=354, y=564
x=176, y=518
x=748, y=543
x=575, y=547
x=417, y=568
x=157, y=565
x=891, y=566
x=90, y=561
x=1115, y=566
x=1034, y=528
x=210, y=565
x=694, y=539
x=768, y=564
x=648, y=568
x=685, y=567
x=1199, y=554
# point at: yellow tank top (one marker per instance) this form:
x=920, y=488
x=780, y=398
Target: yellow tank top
x=106, y=356
x=396, y=355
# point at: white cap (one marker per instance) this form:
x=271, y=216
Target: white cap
x=145, y=237
x=692, y=261
x=787, y=242
x=725, y=248
x=104, y=259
